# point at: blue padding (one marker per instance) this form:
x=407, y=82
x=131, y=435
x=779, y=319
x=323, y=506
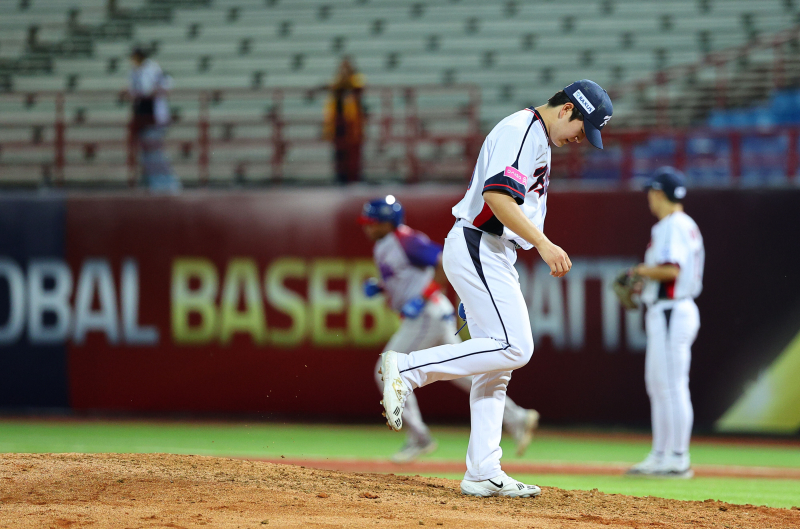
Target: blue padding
x=31, y=376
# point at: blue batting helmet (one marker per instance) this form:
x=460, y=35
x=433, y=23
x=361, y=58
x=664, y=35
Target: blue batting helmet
x=386, y=209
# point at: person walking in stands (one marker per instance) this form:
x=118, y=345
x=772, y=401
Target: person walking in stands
x=148, y=88
x=344, y=121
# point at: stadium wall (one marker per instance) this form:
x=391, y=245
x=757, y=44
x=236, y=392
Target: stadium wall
x=251, y=303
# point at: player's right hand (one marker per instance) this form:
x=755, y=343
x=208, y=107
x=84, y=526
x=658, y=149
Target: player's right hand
x=372, y=287
x=462, y=313
x=556, y=258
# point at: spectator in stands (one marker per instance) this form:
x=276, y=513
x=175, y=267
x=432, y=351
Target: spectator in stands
x=148, y=89
x=344, y=121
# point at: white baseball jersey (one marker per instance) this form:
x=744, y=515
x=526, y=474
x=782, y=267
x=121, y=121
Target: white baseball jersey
x=405, y=259
x=675, y=239
x=515, y=159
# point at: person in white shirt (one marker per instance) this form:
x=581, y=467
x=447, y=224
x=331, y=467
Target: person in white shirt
x=148, y=87
x=673, y=272
x=503, y=210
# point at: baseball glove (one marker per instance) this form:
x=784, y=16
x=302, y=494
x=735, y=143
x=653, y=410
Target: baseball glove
x=626, y=285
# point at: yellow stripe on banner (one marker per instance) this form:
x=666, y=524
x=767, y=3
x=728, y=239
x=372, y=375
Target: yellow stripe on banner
x=771, y=403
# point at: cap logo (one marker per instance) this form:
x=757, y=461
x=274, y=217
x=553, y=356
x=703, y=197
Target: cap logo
x=605, y=120
x=680, y=192
x=583, y=101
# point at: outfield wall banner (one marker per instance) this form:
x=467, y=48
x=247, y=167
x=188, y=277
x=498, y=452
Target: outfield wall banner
x=252, y=303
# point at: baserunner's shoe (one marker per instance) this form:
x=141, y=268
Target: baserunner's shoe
x=523, y=432
x=413, y=450
x=676, y=466
x=501, y=485
x=649, y=467
x=394, y=390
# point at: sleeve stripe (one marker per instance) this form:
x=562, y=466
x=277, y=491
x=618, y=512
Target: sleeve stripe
x=503, y=185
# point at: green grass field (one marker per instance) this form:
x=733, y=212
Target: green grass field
x=272, y=440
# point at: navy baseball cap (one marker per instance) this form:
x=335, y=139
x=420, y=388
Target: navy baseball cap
x=670, y=181
x=595, y=105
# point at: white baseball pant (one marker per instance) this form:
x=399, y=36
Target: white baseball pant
x=436, y=325
x=671, y=328
x=480, y=266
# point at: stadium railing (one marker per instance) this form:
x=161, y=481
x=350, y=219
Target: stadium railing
x=414, y=134
x=261, y=135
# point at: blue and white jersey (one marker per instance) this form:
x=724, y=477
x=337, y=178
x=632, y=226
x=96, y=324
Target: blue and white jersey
x=675, y=240
x=405, y=259
x=514, y=159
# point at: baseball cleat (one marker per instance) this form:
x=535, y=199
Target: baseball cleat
x=523, y=435
x=394, y=390
x=686, y=473
x=675, y=466
x=414, y=450
x=649, y=467
x=501, y=485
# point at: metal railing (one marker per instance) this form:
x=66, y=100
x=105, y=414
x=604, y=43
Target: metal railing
x=66, y=135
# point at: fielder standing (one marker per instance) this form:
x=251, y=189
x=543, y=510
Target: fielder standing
x=673, y=272
x=503, y=210
x=410, y=265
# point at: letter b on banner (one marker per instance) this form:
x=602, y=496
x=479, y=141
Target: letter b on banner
x=200, y=301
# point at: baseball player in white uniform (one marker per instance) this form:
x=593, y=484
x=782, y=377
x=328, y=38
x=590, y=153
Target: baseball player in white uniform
x=503, y=210
x=410, y=266
x=673, y=272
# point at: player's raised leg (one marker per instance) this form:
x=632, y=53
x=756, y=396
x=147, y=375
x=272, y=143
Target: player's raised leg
x=480, y=268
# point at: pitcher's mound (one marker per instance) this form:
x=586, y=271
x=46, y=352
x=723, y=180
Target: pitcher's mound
x=162, y=490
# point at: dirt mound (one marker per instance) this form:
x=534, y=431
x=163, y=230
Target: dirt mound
x=160, y=490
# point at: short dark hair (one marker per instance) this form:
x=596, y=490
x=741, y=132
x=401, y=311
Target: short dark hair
x=561, y=98
x=139, y=52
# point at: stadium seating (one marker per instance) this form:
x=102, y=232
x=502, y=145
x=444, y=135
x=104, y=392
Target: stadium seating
x=518, y=52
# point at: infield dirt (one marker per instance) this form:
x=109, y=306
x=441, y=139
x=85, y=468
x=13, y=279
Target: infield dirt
x=161, y=490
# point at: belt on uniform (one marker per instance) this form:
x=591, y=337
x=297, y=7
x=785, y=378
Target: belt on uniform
x=463, y=223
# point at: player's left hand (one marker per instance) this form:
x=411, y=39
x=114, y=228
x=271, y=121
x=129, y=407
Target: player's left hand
x=462, y=313
x=555, y=257
x=413, y=307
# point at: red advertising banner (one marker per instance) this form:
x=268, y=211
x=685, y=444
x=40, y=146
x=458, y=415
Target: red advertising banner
x=251, y=302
